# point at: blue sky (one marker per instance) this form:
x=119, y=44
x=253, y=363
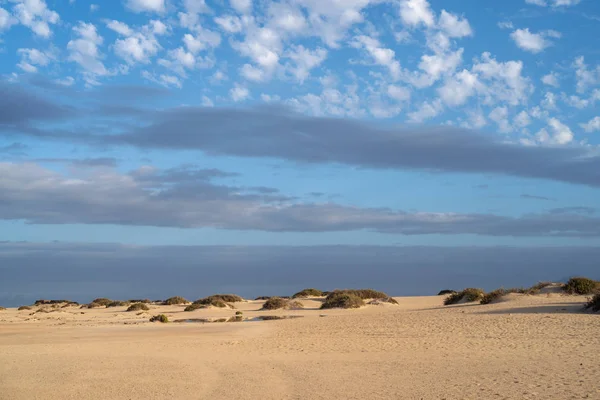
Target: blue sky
x=300, y=122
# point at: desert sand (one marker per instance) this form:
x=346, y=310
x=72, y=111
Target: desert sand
x=524, y=347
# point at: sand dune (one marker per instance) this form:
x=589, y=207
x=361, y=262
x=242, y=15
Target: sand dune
x=524, y=347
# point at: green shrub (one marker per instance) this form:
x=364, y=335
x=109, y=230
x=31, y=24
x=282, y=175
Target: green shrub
x=493, y=295
x=263, y=298
x=42, y=302
x=175, y=300
x=145, y=301
x=275, y=303
x=195, y=306
x=138, y=307
x=468, y=295
x=342, y=299
x=117, y=303
x=160, y=318
x=24, y=308
x=580, y=285
x=308, y=293
x=101, y=302
x=594, y=303
x=239, y=313
x=362, y=293
x=219, y=300
x=446, y=291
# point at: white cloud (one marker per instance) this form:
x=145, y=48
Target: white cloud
x=504, y=80
x=533, y=42
x=84, y=51
x=585, y=77
x=551, y=79
x=229, y=23
x=500, y=116
x=94, y=7
x=380, y=55
x=241, y=6
x=426, y=111
x=137, y=46
x=416, y=12
x=305, y=60
x=253, y=73
x=66, y=81
x=207, y=102
x=522, y=119
x=35, y=15
x=556, y=134
x=239, y=93
x=163, y=79
x=575, y=101
x=549, y=101
x=398, y=93
x=157, y=6
x=592, y=125
x=505, y=25
x=6, y=20
x=459, y=88
x=553, y=3
x=454, y=26
x=33, y=58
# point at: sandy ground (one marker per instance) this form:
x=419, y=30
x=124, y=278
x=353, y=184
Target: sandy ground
x=526, y=347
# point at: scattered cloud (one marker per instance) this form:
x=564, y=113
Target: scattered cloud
x=533, y=42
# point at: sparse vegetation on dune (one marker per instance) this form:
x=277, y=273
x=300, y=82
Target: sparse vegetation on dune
x=493, y=295
x=446, y=291
x=535, y=289
x=175, y=301
x=160, y=318
x=594, y=303
x=310, y=292
x=276, y=303
x=581, y=286
x=195, y=306
x=343, y=299
x=2, y=308
x=22, y=308
x=117, y=303
x=468, y=295
x=138, y=307
x=362, y=293
x=145, y=301
x=263, y=297
x=100, y=302
x=43, y=302
x=219, y=300
x=389, y=300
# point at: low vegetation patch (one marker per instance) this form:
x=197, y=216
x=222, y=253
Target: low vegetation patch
x=160, y=318
x=535, y=289
x=145, y=301
x=2, y=308
x=100, y=302
x=343, y=299
x=117, y=303
x=594, y=303
x=493, y=295
x=219, y=300
x=22, y=308
x=310, y=292
x=389, y=300
x=175, y=300
x=138, y=307
x=581, y=286
x=446, y=291
x=43, y=302
x=194, y=306
x=468, y=295
x=362, y=293
x=275, y=303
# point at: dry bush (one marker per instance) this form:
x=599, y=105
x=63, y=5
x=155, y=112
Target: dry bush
x=468, y=295
x=22, y=308
x=117, y=303
x=195, y=306
x=582, y=286
x=446, y=291
x=342, y=299
x=2, y=308
x=362, y=293
x=160, y=318
x=175, y=301
x=138, y=307
x=275, y=303
x=145, y=301
x=310, y=292
x=594, y=303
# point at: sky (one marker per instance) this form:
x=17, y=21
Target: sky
x=268, y=126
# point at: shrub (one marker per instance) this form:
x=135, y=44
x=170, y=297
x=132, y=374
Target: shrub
x=446, y=291
x=362, y=293
x=160, y=318
x=194, y=306
x=580, y=285
x=390, y=300
x=275, y=303
x=42, y=302
x=342, y=299
x=493, y=295
x=175, y=300
x=24, y=308
x=2, y=308
x=535, y=289
x=239, y=313
x=308, y=293
x=219, y=300
x=263, y=298
x=594, y=303
x=117, y=303
x=145, y=301
x=100, y=302
x=468, y=295
x=138, y=307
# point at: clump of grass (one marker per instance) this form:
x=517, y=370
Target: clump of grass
x=175, y=301
x=100, y=302
x=310, y=292
x=43, y=301
x=145, y=301
x=493, y=295
x=275, y=303
x=117, y=303
x=263, y=298
x=138, y=307
x=446, y=291
x=2, y=308
x=468, y=295
x=160, y=318
x=22, y=308
x=239, y=313
x=195, y=306
x=364, y=294
x=535, y=289
x=390, y=300
x=594, y=303
x=343, y=299
x=219, y=300
x=582, y=286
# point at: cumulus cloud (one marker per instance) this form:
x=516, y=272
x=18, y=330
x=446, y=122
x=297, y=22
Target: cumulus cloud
x=157, y=6
x=553, y=3
x=533, y=42
x=84, y=50
x=592, y=125
x=35, y=15
x=137, y=46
